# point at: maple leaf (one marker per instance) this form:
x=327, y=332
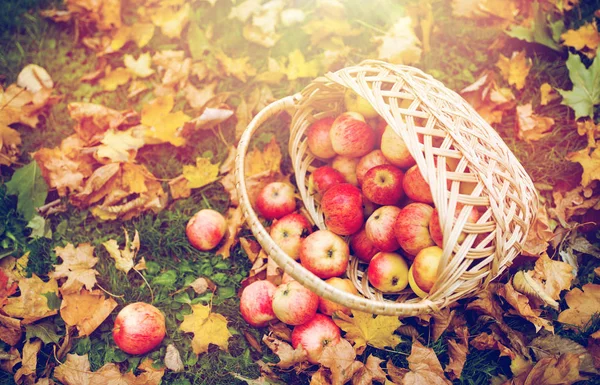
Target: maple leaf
x=203, y=173
x=586, y=38
x=399, y=45
x=522, y=307
x=563, y=370
x=171, y=21
x=114, y=78
x=485, y=341
x=363, y=329
x=589, y=129
x=8, y=361
x=198, y=98
x=582, y=305
x=547, y=94
x=162, y=124
x=207, y=327
x=235, y=220
x=120, y=146
x=589, y=158
x=77, y=267
x=85, y=309
x=288, y=356
x=370, y=372
x=575, y=202
x=457, y=353
x=425, y=368
x=177, y=69
x=532, y=127
x=141, y=34
x=93, y=120
x=488, y=99
x=298, y=67
x=539, y=30
x=326, y=28
x=238, y=68
x=10, y=330
x=32, y=304
x=340, y=359
x=539, y=235
x=140, y=67
x=586, y=87
x=29, y=361
x=123, y=258
x=515, y=69
x=555, y=275
x=268, y=160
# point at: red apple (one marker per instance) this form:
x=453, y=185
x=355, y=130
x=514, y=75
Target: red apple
x=383, y=184
x=324, y=177
x=206, y=229
x=325, y=254
x=351, y=135
x=256, y=303
x=342, y=206
x=367, y=162
x=415, y=187
x=362, y=247
x=294, y=304
x=368, y=207
x=318, y=139
x=314, y=335
x=395, y=150
x=139, y=328
x=289, y=231
x=425, y=268
x=347, y=167
x=388, y=272
x=380, y=228
x=412, y=227
x=436, y=231
x=276, y=200
x=329, y=307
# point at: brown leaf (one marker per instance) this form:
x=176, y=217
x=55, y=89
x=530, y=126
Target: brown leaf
x=575, y=202
x=29, y=361
x=77, y=266
x=6, y=289
x=198, y=98
x=235, y=220
x=200, y=285
x=555, y=345
x=320, y=377
x=93, y=120
x=281, y=331
x=488, y=99
x=288, y=356
x=563, y=370
x=173, y=359
x=594, y=348
x=485, y=341
x=31, y=305
x=457, y=353
x=396, y=374
x=582, y=305
x=556, y=275
x=441, y=321
x=340, y=359
x=539, y=236
x=522, y=307
x=370, y=372
x=10, y=359
x=487, y=303
x=10, y=330
x=531, y=127
x=425, y=368
x=85, y=309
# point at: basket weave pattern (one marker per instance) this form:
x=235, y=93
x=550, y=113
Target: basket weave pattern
x=459, y=154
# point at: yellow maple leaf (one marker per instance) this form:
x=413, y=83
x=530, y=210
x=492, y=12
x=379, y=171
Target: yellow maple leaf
x=547, y=94
x=208, y=328
x=298, y=67
x=115, y=78
x=586, y=36
x=31, y=305
x=400, y=45
x=268, y=160
x=515, y=69
x=120, y=146
x=239, y=67
x=170, y=21
x=123, y=258
x=203, y=173
x=163, y=125
x=77, y=266
x=141, y=34
x=590, y=161
x=141, y=66
x=86, y=310
x=363, y=329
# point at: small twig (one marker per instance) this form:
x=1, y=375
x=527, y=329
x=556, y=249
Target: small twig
x=108, y=292
x=147, y=284
x=48, y=206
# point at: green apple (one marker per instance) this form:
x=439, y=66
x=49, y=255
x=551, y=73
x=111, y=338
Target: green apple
x=356, y=103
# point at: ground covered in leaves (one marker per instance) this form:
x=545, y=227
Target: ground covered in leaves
x=119, y=120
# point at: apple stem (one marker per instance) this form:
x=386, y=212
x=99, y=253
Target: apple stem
x=147, y=284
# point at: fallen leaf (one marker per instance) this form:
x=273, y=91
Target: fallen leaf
x=210, y=117
x=521, y=306
x=589, y=129
x=29, y=362
x=399, y=45
x=440, y=322
x=10, y=359
x=539, y=235
x=30, y=188
x=6, y=288
x=140, y=67
x=268, y=160
x=288, y=356
x=395, y=373
x=123, y=258
x=574, y=202
x=235, y=220
x=485, y=341
x=86, y=310
x=585, y=38
x=32, y=304
x=555, y=275
x=135, y=88
x=554, y=345
x=547, y=94
x=93, y=120
x=198, y=98
x=563, y=370
x=162, y=125
x=589, y=158
x=239, y=68
x=524, y=283
x=173, y=359
x=363, y=329
x=515, y=69
x=531, y=127
x=141, y=34
x=207, y=327
x=340, y=359
x=171, y=21
x=114, y=78
x=244, y=10
x=457, y=353
x=46, y=330
x=298, y=67
x=33, y=78
x=370, y=372
x=487, y=303
x=120, y=146
x=582, y=305
x=488, y=99
x=425, y=368
x=203, y=173
x=586, y=91
x=10, y=330
x=176, y=69
x=77, y=267
x=537, y=30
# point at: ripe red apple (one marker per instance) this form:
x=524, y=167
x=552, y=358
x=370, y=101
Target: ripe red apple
x=329, y=307
x=367, y=162
x=368, y=207
x=388, y=272
x=289, y=231
x=383, y=184
x=206, y=229
x=395, y=150
x=342, y=206
x=325, y=254
x=256, y=303
x=436, y=231
x=318, y=139
x=347, y=167
x=294, y=304
x=351, y=135
x=139, y=328
x=415, y=187
x=276, y=200
x=356, y=103
x=412, y=227
x=315, y=335
x=380, y=228
x=425, y=268
x=323, y=178
x=362, y=247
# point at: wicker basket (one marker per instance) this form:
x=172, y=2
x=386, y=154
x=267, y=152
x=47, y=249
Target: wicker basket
x=440, y=129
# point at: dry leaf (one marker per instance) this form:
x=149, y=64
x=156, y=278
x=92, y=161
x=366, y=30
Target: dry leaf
x=235, y=220
x=441, y=321
x=85, y=309
x=488, y=99
x=563, y=370
x=340, y=359
x=485, y=341
x=77, y=267
x=29, y=361
x=457, y=353
x=198, y=98
x=395, y=373
x=555, y=345
x=524, y=283
x=547, y=94
x=171, y=21
x=203, y=173
x=200, y=285
x=288, y=356
x=209, y=118
x=539, y=235
x=586, y=39
x=399, y=45
x=268, y=160
x=425, y=368
x=515, y=69
x=162, y=125
x=370, y=372
x=575, y=202
x=173, y=359
x=487, y=303
x=120, y=146
x=239, y=68
x=207, y=327
x=93, y=120
x=33, y=78
x=555, y=275
x=10, y=359
x=124, y=258
x=582, y=305
x=531, y=127
x=298, y=67
x=6, y=288
x=114, y=78
x=10, y=330
x=522, y=307
x=141, y=34
x=591, y=130
x=363, y=329
x=32, y=305
x=140, y=67
x=589, y=158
